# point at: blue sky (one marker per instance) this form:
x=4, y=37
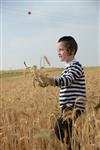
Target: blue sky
x=29, y=37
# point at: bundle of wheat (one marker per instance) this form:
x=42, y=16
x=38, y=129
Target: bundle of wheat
x=40, y=78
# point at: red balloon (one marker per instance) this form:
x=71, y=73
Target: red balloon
x=29, y=12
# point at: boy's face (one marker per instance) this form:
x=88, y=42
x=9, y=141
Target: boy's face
x=63, y=53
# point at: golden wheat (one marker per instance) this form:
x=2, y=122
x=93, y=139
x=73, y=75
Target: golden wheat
x=28, y=114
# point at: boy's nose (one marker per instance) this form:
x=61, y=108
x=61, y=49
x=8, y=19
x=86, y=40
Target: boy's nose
x=58, y=52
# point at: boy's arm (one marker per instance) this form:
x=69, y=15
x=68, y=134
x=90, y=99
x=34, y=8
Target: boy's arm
x=68, y=77
x=62, y=81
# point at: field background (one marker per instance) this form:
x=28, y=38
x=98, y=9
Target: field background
x=28, y=113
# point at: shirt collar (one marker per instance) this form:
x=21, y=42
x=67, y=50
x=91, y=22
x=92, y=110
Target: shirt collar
x=69, y=63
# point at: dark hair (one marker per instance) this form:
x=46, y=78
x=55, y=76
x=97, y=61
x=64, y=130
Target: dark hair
x=70, y=44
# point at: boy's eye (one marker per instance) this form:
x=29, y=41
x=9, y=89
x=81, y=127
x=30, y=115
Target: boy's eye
x=60, y=50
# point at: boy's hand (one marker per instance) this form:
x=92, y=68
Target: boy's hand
x=43, y=80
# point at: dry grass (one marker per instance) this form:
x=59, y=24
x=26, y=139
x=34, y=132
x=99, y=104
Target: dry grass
x=28, y=113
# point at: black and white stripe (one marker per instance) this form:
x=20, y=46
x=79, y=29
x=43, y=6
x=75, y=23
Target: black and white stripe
x=72, y=85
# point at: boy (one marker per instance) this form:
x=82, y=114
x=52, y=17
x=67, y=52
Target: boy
x=72, y=86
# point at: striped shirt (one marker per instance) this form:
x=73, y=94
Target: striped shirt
x=72, y=85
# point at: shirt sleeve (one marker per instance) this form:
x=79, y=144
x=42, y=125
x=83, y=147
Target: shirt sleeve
x=68, y=76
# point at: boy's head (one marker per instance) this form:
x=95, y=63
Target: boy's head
x=70, y=44
x=67, y=48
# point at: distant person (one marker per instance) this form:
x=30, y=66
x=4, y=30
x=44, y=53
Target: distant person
x=72, y=86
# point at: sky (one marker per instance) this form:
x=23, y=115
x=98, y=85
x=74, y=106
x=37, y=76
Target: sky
x=28, y=38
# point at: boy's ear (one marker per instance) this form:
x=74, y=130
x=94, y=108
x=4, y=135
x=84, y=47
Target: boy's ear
x=71, y=52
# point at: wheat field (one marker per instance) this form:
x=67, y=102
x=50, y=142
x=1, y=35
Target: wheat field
x=28, y=114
